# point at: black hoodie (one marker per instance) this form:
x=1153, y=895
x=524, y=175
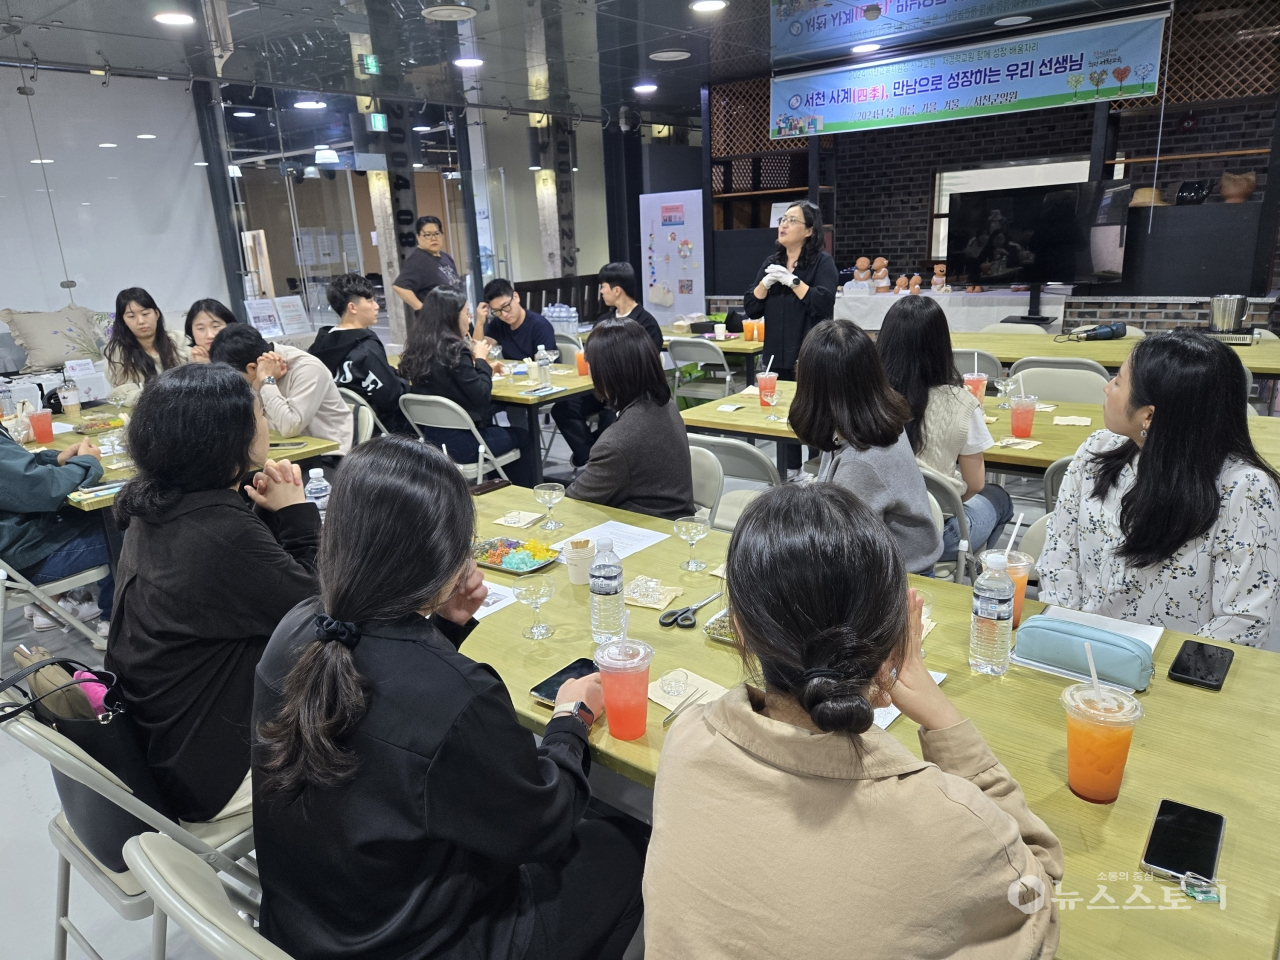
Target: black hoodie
x=358, y=362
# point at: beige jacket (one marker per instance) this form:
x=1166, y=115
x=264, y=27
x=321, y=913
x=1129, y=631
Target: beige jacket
x=306, y=401
x=126, y=389
x=773, y=841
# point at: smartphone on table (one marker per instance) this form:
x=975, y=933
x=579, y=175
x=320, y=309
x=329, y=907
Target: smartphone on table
x=1201, y=664
x=545, y=692
x=1184, y=842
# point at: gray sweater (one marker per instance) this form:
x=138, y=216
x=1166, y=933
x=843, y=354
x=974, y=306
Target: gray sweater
x=641, y=463
x=888, y=480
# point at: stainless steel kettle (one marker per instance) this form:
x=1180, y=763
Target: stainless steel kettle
x=1226, y=313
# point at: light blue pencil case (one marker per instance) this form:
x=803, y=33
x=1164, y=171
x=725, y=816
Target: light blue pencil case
x=1059, y=645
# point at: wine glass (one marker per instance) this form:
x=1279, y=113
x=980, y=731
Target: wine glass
x=691, y=530
x=771, y=398
x=535, y=589
x=1003, y=386
x=549, y=494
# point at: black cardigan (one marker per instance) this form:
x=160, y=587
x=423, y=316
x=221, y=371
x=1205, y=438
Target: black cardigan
x=199, y=591
x=787, y=318
x=468, y=383
x=419, y=854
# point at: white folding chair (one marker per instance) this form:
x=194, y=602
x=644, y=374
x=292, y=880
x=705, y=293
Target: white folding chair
x=708, y=482
x=944, y=496
x=1014, y=328
x=221, y=843
x=1059, y=363
x=187, y=890
x=362, y=412
x=707, y=383
x=986, y=363
x=16, y=591
x=1053, y=476
x=568, y=346
x=443, y=414
x=1062, y=385
x=1032, y=543
x=742, y=461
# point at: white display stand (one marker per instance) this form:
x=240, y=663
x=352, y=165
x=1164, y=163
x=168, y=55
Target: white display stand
x=966, y=312
x=671, y=280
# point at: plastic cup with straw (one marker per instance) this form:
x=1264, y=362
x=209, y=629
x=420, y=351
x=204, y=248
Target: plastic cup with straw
x=976, y=383
x=767, y=387
x=1099, y=731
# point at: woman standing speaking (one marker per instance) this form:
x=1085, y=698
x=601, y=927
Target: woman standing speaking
x=795, y=290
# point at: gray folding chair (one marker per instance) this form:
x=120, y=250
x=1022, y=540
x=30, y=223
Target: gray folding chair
x=950, y=505
x=362, y=412
x=221, y=843
x=1059, y=363
x=707, y=383
x=16, y=591
x=1062, y=385
x=708, y=482
x=568, y=346
x=1053, y=481
x=987, y=363
x=741, y=461
x=187, y=890
x=443, y=414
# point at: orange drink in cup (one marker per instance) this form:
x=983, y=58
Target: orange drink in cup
x=767, y=383
x=1022, y=414
x=976, y=383
x=580, y=358
x=1099, y=732
x=42, y=426
x=1019, y=569
x=624, y=675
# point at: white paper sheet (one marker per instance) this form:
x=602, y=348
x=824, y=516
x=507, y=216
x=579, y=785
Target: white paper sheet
x=886, y=715
x=626, y=538
x=62, y=427
x=263, y=316
x=292, y=315
x=499, y=597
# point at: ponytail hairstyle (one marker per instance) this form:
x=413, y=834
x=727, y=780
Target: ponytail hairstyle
x=192, y=429
x=124, y=353
x=818, y=595
x=396, y=538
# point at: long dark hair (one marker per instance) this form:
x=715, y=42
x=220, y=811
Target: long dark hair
x=125, y=353
x=433, y=334
x=192, y=429
x=215, y=308
x=915, y=351
x=818, y=594
x=816, y=243
x=625, y=365
x=396, y=537
x=841, y=389
x=1199, y=390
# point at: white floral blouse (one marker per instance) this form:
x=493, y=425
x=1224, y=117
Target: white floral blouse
x=1224, y=585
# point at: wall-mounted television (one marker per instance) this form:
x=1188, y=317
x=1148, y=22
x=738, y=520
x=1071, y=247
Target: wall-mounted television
x=1056, y=233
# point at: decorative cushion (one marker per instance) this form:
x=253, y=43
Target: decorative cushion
x=51, y=339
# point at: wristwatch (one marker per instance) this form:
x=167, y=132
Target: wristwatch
x=577, y=709
x=269, y=380
x=795, y=281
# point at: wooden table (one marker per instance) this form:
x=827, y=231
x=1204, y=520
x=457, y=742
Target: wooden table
x=748, y=350
x=748, y=422
x=509, y=392
x=1217, y=750
x=1262, y=358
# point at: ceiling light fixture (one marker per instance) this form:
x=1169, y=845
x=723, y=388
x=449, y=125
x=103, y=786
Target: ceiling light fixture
x=468, y=63
x=174, y=19
x=41, y=161
x=449, y=10
x=866, y=48
x=670, y=56
x=321, y=146
x=421, y=129
x=417, y=166
x=1012, y=21
x=327, y=156
x=645, y=87
x=146, y=136
x=310, y=105
x=201, y=163
x=708, y=6
x=246, y=114
x=107, y=144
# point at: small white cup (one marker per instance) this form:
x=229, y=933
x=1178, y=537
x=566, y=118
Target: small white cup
x=720, y=331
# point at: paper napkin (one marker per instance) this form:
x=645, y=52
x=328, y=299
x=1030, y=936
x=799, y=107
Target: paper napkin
x=1072, y=421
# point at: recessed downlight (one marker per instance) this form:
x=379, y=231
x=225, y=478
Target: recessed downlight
x=146, y=136
x=708, y=6
x=201, y=163
x=421, y=129
x=468, y=63
x=310, y=105
x=173, y=18
x=321, y=146
x=645, y=87
x=449, y=10
x=670, y=56
x=1012, y=21
x=40, y=160
x=108, y=144
x=245, y=114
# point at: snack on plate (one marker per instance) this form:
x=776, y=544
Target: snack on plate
x=519, y=556
x=99, y=425
x=720, y=627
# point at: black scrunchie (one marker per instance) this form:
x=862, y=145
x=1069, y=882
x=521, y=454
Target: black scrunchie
x=819, y=673
x=327, y=629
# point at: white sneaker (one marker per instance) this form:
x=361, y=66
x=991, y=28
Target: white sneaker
x=81, y=611
x=104, y=628
x=29, y=610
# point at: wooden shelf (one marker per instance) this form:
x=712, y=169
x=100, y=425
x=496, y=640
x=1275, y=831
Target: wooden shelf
x=1190, y=156
x=761, y=193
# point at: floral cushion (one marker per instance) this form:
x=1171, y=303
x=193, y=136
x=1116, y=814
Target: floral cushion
x=51, y=339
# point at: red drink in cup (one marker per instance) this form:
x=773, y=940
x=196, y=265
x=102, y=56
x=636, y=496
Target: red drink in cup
x=624, y=674
x=1022, y=414
x=42, y=426
x=768, y=386
x=976, y=383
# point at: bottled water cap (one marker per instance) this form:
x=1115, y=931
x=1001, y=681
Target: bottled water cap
x=316, y=473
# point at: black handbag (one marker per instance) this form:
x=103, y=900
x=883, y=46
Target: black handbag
x=116, y=742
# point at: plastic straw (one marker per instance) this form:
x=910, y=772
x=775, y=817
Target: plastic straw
x=975, y=361
x=1013, y=536
x=1022, y=389
x=1093, y=671
x=626, y=623
x=769, y=364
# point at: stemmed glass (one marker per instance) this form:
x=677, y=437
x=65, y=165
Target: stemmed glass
x=691, y=530
x=549, y=494
x=771, y=398
x=535, y=589
x=1002, y=391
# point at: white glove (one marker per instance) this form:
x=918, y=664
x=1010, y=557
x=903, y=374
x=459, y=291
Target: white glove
x=769, y=278
x=785, y=277
x=773, y=273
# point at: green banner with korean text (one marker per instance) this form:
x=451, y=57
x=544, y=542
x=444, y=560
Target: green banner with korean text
x=1107, y=61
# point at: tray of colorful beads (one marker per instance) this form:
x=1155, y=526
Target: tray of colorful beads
x=513, y=556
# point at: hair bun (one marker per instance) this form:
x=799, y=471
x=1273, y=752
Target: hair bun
x=832, y=705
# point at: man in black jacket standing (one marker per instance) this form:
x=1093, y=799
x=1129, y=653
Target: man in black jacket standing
x=354, y=354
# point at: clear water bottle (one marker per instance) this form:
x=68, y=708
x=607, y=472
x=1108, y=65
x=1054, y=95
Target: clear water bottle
x=606, y=593
x=317, y=491
x=992, y=627
x=543, y=360
x=6, y=401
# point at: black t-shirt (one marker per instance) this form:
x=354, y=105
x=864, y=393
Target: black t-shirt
x=643, y=317
x=523, y=341
x=422, y=273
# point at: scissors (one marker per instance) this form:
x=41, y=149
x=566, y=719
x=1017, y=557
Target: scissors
x=684, y=617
